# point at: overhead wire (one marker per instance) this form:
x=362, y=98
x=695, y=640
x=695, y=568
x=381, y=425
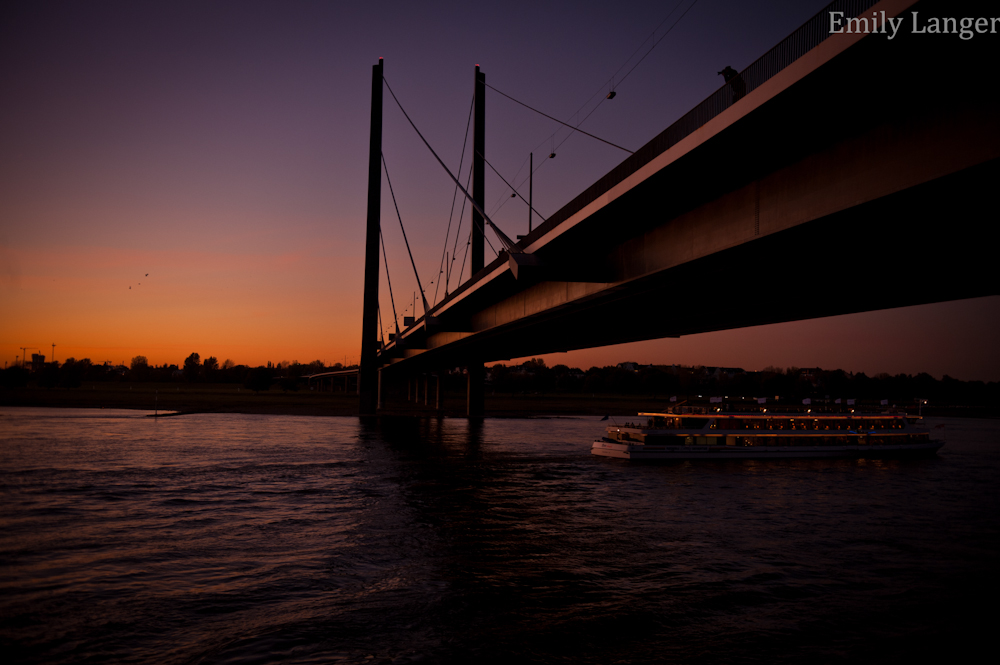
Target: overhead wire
x=460, y=217
x=507, y=242
x=601, y=89
x=657, y=41
x=504, y=199
x=576, y=128
x=381, y=330
x=501, y=200
x=468, y=243
x=454, y=196
x=395, y=316
x=622, y=80
x=400, y=217
x=508, y=184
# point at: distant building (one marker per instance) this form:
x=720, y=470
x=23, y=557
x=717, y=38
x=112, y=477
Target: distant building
x=37, y=362
x=810, y=374
x=729, y=372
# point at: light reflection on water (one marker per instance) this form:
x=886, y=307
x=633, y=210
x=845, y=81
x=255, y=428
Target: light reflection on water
x=229, y=538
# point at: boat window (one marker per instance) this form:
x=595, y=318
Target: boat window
x=694, y=423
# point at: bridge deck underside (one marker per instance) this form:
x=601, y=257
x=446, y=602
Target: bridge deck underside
x=866, y=185
x=921, y=246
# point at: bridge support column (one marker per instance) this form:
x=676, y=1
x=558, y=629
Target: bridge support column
x=408, y=389
x=437, y=396
x=368, y=368
x=380, y=387
x=478, y=249
x=475, y=391
x=427, y=380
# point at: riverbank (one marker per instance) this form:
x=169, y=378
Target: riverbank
x=229, y=398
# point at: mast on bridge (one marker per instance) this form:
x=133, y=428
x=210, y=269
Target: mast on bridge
x=476, y=396
x=368, y=370
x=479, y=173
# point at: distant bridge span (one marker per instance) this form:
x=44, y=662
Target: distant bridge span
x=858, y=177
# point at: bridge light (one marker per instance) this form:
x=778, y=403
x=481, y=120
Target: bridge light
x=552, y=155
x=611, y=95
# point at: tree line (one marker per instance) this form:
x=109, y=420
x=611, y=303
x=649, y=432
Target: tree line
x=534, y=376
x=665, y=381
x=72, y=373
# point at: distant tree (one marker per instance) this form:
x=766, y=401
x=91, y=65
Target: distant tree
x=210, y=368
x=925, y=385
x=15, y=376
x=49, y=377
x=72, y=372
x=139, y=368
x=192, y=367
x=534, y=365
x=258, y=379
x=228, y=364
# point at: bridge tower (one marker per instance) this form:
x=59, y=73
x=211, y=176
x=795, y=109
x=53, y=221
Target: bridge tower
x=476, y=374
x=368, y=370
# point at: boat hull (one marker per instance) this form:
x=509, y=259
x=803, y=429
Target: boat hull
x=607, y=448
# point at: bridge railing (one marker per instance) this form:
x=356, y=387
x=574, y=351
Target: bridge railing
x=790, y=49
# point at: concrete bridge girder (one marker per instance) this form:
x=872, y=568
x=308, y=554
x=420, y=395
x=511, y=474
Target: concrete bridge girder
x=777, y=190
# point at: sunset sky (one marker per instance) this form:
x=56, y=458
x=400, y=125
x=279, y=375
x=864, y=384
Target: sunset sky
x=191, y=177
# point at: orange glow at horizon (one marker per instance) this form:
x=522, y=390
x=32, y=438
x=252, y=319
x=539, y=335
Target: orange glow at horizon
x=251, y=308
x=254, y=308
x=225, y=154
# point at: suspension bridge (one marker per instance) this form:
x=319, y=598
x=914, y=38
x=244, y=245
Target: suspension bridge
x=838, y=173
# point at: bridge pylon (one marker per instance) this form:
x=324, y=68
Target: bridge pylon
x=476, y=395
x=368, y=374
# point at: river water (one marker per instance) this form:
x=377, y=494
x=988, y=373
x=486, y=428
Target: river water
x=255, y=539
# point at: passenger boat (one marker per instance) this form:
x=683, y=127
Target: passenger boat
x=703, y=433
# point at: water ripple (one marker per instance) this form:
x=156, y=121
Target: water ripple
x=250, y=539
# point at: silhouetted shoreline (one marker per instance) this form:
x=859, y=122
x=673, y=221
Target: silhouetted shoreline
x=223, y=398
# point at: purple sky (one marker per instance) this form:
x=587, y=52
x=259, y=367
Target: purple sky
x=222, y=147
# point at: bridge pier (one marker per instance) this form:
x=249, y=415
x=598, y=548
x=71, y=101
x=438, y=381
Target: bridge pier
x=475, y=391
